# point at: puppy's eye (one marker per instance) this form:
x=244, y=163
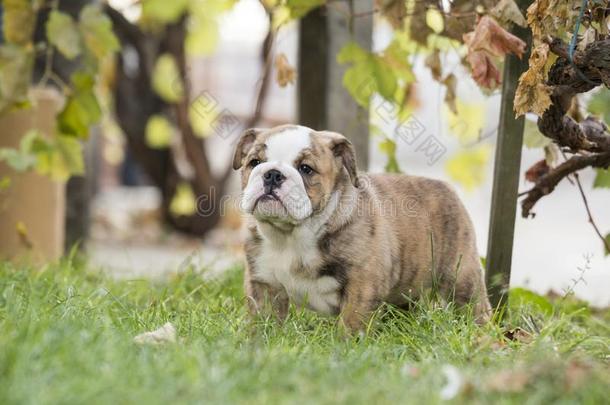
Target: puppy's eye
x=305, y=169
x=254, y=162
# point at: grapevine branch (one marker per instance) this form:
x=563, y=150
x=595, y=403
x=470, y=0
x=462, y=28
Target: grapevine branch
x=591, y=220
x=588, y=140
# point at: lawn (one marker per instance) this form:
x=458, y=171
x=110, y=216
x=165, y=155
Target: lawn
x=66, y=336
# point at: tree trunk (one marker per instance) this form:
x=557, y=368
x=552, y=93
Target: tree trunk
x=136, y=101
x=323, y=102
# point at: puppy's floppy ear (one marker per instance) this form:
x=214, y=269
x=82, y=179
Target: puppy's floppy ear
x=244, y=144
x=343, y=148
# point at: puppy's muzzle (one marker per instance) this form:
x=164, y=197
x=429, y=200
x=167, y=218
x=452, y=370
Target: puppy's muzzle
x=272, y=179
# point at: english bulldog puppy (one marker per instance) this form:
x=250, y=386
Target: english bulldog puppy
x=340, y=242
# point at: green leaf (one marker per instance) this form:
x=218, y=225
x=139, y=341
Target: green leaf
x=183, y=201
x=600, y=105
x=357, y=80
x=71, y=154
x=159, y=132
x=21, y=159
x=435, y=20
x=468, y=123
x=166, y=79
x=607, y=239
x=96, y=29
x=18, y=21
x=384, y=78
x=299, y=8
x=388, y=147
x=81, y=109
x=202, y=37
x=532, y=137
x=164, y=11
x=352, y=52
x=371, y=73
x=520, y=297
x=62, y=33
x=16, y=159
x=16, y=65
x=59, y=157
x=602, y=178
x=468, y=167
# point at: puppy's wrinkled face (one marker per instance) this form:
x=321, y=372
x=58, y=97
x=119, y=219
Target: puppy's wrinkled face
x=288, y=173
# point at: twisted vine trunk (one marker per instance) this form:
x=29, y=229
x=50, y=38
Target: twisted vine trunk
x=588, y=140
x=135, y=102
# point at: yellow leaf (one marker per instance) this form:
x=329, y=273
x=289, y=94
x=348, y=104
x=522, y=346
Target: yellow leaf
x=113, y=153
x=203, y=112
x=164, y=11
x=468, y=167
x=202, y=37
x=159, y=132
x=183, y=202
x=63, y=33
x=166, y=79
x=96, y=29
x=466, y=124
x=5, y=183
x=434, y=20
x=23, y=235
x=18, y=21
x=279, y=17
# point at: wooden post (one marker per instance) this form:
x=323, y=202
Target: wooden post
x=506, y=178
x=323, y=102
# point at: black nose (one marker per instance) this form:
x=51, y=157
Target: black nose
x=273, y=179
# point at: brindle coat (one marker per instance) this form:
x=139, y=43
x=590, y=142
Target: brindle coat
x=391, y=238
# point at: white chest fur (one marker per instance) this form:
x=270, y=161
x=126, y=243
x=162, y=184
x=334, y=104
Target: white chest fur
x=292, y=263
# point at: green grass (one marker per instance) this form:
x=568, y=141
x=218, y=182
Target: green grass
x=66, y=336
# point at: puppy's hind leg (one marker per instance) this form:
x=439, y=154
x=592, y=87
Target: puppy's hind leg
x=466, y=286
x=470, y=289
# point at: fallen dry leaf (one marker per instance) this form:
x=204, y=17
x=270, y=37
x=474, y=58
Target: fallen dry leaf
x=532, y=94
x=418, y=27
x=433, y=61
x=165, y=334
x=450, y=83
x=393, y=10
x=489, y=40
x=285, y=73
x=409, y=370
x=575, y=374
x=519, y=335
x=537, y=170
x=508, y=381
x=487, y=341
